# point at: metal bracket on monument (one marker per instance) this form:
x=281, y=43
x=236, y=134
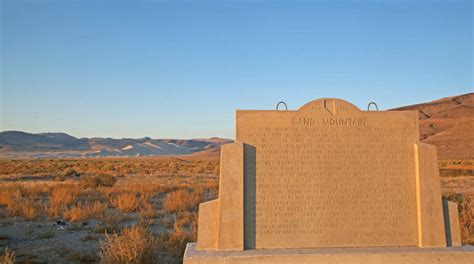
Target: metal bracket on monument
x=281, y=102
x=372, y=103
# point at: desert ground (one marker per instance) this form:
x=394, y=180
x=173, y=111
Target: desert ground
x=109, y=210
x=115, y=210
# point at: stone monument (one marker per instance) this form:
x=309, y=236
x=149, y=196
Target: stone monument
x=328, y=183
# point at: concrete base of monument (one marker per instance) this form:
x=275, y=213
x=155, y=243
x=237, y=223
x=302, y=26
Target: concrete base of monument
x=392, y=255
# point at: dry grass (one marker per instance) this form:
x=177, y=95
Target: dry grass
x=127, y=202
x=9, y=192
x=7, y=256
x=182, y=199
x=147, y=211
x=29, y=208
x=175, y=240
x=84, y=211
x=162, y=193
x=61, y=198
x=134, y=245
x=94, y=181
x=70, y=168
x=110, y=221
x=19, y=204
x=133, y=197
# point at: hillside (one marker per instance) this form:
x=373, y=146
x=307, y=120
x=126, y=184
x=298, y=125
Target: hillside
x=448, y=123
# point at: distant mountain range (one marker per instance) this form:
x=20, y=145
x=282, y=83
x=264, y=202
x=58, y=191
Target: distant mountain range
x=22, y=144
x=447, y=123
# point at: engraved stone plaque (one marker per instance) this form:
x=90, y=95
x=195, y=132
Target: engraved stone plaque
x=330, y=175
x=325, y=175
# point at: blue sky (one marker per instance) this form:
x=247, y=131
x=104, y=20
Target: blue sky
x=179, y=69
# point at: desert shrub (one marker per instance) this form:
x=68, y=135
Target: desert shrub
x=59, y=178
x=30, y=209
x=198, y=169
x=210, y=189
x=134, y=245
x=108, y=167
x=147, y=211
x=36, y=191
x=26, y=207
x=70, y=167
x=8, y=256
x=89, y=182
x=83, y=211
x=105, y=180
x=21, y=201
x=110, y=221
x=182, y=199
x=62, y=197
x=132, y=196
x=70, y=172
x=131, y=201
x=126, y=202
x=187, y=220
x=9, y=194
x=175, y=241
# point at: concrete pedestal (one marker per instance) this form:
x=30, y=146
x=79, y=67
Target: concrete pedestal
x=384, y=255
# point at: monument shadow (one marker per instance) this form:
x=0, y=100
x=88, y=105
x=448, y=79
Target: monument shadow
x=250, y=196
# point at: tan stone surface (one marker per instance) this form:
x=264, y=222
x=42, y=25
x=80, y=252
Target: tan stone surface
x=221, y=221
x=431, y=228
x=391, y=255
x=330, y=175
x=326, y=175
x=208, y=225
x=231, y=196
x=455, y=228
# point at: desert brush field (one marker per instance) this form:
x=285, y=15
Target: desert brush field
x=140, y=210
x=109, y=210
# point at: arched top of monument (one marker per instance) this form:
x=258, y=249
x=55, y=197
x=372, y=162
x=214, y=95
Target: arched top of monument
x=332, y=105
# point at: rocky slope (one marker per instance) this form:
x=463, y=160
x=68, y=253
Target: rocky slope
x=448, y=123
